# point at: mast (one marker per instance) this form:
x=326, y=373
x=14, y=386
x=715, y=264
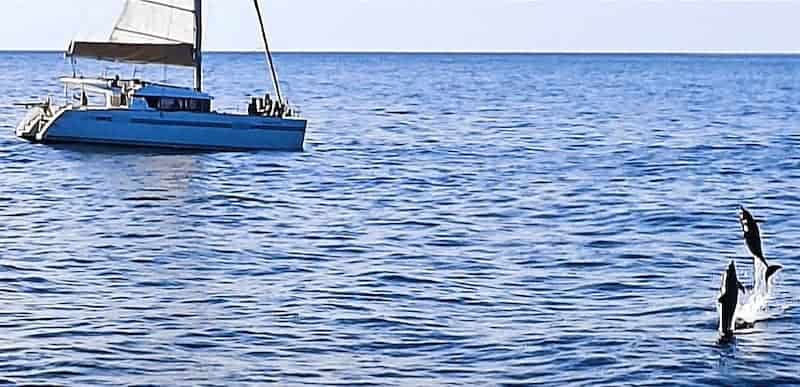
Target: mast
x=268, y=52
x=198, y=45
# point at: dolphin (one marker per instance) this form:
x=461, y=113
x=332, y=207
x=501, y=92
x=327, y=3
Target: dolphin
x=728, y=300
x=752, y=239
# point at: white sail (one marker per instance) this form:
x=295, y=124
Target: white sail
x=150, y=32
x=156, y=21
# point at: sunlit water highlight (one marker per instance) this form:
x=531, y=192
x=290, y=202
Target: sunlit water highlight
x=454, y=220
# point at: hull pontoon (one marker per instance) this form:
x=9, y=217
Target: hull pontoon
x=189, y=130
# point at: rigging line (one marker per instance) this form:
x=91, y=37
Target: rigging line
x=269, y=53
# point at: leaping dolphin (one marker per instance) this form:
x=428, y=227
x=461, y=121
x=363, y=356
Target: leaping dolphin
x=752, y=239
x=729, y=300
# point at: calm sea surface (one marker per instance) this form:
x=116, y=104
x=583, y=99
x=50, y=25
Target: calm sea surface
x=454, y=220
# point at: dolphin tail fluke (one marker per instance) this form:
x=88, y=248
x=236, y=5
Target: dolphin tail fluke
x=772, y=270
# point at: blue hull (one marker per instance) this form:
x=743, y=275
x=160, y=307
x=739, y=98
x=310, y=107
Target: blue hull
x=182, y=130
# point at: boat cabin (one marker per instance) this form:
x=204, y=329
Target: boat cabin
x=115, y=93
x=171, y=99
x=138, y=95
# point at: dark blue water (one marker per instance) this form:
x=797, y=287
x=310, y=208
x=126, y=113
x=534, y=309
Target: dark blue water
x=454, y=220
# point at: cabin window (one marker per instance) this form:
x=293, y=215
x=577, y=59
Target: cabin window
x=152, y=102
x=199, y=105
x=168, y=104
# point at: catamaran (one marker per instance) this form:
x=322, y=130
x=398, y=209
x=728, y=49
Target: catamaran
x=135, y=112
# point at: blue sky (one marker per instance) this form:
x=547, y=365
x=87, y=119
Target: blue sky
x=442, y=25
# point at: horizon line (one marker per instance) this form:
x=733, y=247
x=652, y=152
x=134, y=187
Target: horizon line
x=465, y=52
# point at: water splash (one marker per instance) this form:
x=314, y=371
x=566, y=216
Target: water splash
x=754, y=306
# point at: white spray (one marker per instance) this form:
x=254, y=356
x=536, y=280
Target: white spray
x=754, y=306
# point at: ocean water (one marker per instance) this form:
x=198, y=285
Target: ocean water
x=454, y=220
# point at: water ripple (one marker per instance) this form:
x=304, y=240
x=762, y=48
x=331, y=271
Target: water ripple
x=501, y=220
